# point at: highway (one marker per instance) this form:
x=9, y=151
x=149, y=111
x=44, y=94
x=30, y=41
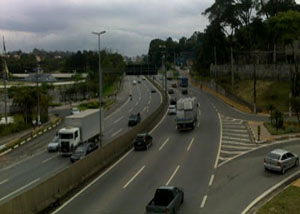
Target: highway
x=30, y=164
x=217, y=164
x=184, y=159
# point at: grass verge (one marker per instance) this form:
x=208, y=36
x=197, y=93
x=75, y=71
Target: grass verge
x=286, y=202
x=288, y=127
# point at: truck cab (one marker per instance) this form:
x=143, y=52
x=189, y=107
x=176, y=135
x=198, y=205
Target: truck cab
x=69, y=140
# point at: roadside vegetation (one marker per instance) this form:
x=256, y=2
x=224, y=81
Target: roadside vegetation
x=286, y=202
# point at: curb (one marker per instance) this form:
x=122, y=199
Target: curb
x=270, y=193
x=14, y=144
x=277, y=138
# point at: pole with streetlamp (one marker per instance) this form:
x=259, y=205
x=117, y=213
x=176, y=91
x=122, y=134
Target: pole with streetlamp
x=100, y=85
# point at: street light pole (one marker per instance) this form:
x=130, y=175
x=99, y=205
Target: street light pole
x=100, y=86
x=38, y=97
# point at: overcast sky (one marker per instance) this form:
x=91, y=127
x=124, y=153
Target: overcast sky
x=67, y=24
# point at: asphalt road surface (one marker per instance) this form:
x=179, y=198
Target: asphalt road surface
x=31, y=163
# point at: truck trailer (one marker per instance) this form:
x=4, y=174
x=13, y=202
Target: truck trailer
x=79, y=129
x=186, y=114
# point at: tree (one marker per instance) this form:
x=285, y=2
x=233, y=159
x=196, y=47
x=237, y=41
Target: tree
x=285, y=28
x=296, y=106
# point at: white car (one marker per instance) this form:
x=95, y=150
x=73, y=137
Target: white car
x=75, y=110
x=143, y=78
x=172, y=109
x=53, y=145
x=134, y=82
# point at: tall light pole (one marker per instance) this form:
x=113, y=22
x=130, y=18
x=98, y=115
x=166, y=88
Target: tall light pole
x=164, y=70
x=100, y=85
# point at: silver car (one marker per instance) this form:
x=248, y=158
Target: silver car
x=280, y=160
x=53, y=145
x=172, y=109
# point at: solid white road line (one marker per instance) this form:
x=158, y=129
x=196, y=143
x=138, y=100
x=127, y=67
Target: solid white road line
x=117, y=120
x=238, y=143
x=237, y=135
x=192, y=141
x=235, y=130
x=220, y=142
x=45, y=161
x=7, y=151
x=4, y=181
x=231, y=152
x=236, y=138
x=117, y=132
x=172, y=176
x=20, y=189
x=203, y=201
x=211, y=180
x=136, y=174
x=223, y=159
x=236, y=147
x=164, y=143
x=94, y=181
x=267, y=192
x=106, y=118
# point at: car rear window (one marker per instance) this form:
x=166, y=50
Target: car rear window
x=274, y=156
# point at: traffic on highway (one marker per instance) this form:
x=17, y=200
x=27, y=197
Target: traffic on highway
x=195, y=156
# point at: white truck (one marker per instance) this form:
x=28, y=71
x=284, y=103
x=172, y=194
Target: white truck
x=186, y=114
x=79, y=129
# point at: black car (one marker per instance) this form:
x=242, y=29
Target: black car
x=134, y=119
x=143, y=141
x=184, y=91
x=173, y=101
x=153, y=90
x=171, y=91
x=83, y=150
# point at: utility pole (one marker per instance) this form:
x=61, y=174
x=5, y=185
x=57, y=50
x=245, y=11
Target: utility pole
x=254, y=81
x=100, y=86
x=231, y=67
x=38, y=97
x=5, y=78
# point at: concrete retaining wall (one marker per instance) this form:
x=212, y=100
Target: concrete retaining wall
x=55, y=188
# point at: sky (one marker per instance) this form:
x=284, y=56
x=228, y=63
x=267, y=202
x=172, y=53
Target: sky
x=130, y=25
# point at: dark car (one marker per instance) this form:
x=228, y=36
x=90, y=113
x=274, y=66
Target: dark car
x=153, y=90
x=171, y=91
x=143, y=141
x=134, y=119
x=173, y=101
x=83, y=150
x=184, y=91
x=174, y=85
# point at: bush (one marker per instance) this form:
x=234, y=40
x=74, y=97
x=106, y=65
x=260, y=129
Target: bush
x=12, y=128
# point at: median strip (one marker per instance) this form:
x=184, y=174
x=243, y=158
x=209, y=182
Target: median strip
x=136, y=174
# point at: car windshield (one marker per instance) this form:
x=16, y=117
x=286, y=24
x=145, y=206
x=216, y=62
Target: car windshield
x=80, y=150
x=133, y=117
x=273, y=156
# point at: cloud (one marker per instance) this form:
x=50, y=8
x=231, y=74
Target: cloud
x=67, y=25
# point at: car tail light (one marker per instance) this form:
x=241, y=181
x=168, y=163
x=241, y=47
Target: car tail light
x=167, y=211
x=278, y=163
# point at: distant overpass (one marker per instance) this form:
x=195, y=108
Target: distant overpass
x=141, y=69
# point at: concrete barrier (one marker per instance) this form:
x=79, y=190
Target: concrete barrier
x=52, y=190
